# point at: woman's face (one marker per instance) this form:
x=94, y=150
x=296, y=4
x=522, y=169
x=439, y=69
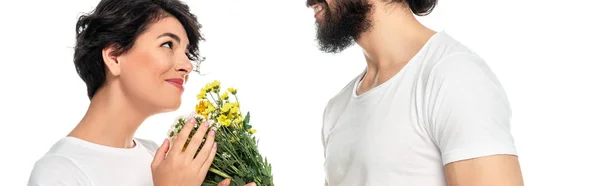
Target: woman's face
x=153, y=72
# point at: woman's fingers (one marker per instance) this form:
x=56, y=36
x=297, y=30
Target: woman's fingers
x=206, y=150
x=225, y=182
x=205, y=165
x=196, y=140
x=160, y=154
x=182, y=137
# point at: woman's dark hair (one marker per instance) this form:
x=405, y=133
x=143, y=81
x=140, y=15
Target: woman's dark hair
x=118, y=23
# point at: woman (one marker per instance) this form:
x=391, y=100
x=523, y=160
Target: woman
x=134, y=56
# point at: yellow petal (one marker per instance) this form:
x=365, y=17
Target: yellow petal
x=232, y=90
x=224, y=96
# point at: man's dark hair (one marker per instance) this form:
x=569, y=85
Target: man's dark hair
x=118, y=23
x=419, y=7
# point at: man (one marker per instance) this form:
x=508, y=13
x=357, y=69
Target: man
x=427, y=111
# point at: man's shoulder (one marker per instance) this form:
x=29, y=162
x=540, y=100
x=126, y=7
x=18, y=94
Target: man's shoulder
x=447, y=58
x=443, y=48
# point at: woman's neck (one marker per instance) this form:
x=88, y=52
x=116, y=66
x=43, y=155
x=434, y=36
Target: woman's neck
x=111, y=120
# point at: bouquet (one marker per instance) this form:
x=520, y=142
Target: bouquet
x=237, y=158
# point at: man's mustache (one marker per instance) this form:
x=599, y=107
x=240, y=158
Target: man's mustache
x=310, y=3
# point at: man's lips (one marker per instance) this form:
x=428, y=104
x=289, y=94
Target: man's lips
x=310, y=3
x=318, y=8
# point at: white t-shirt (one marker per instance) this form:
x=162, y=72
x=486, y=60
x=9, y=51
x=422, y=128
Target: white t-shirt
x=445, y=105
x=72, y=161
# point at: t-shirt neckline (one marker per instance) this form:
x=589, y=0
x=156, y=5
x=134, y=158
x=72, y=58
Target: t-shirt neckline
x=103, y=148
x=359, y=78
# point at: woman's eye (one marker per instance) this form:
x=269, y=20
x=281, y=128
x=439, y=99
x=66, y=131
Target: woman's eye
x=167, y=44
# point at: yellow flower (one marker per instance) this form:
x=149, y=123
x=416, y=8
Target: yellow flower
x=232, y=90
x=234, y=110
x=251, y=131
x=227, y=107
x=215, y=85
x=225, y=96
x=224, y=120
x=200, y=107
x=204, y=107
x=208, y=87
x=210, y=108
x=231, y=116
x=238, y=120
x=202, y=94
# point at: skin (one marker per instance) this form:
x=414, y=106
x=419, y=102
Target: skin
x=387, y=47
x=496, y=170
x=136, y=88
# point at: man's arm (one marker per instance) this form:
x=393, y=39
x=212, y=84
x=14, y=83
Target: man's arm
x=470, y=123
x=494, y=170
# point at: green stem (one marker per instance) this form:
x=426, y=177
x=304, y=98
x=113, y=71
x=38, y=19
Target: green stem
x=222, y=174
x=214, y=100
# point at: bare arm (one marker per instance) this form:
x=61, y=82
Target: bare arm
x=495, y=170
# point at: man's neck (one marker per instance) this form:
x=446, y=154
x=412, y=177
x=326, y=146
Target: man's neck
x=394, y=39
x=111, y=119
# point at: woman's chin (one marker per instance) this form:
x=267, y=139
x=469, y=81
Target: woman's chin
x=167, y=101
x=170, y=105
x=173, y=106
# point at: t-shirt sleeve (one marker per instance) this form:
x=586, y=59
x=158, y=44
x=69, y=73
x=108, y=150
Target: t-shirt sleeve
x=469, y=113
x=55, y=170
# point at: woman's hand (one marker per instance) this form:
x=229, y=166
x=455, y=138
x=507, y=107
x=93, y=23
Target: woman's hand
x=226, y=182
x=179, y=167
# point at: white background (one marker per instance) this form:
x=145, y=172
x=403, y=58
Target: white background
x=544, y=52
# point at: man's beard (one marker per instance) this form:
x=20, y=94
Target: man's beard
x=342, y=27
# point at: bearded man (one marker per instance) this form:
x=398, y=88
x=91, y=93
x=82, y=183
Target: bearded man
x=426, y=111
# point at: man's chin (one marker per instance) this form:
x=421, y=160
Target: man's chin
x=333, y=49
x=334, y=45
x=331, y=42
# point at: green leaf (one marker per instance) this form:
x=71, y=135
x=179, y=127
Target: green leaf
x=247, y=118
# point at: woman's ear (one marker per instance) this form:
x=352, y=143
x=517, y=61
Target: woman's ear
x=111, y=60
